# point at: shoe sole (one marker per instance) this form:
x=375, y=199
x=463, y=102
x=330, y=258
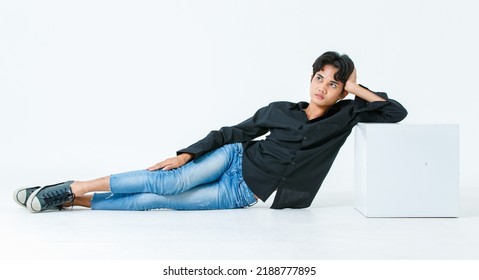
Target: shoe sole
x=29, y=203
x=16, y=195
x=20, y=196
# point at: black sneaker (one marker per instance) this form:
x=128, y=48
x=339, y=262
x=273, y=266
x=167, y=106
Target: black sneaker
x=21, y=195
x=50, y=197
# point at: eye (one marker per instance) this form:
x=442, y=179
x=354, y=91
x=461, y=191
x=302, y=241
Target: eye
x=319, y=78
x=333, y=85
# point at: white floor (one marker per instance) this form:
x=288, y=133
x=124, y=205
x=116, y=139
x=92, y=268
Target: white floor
x=332, y=231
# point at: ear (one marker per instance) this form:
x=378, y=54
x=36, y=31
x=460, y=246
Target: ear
x=344, y=94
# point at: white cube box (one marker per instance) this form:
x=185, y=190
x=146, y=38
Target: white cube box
x=407, y=170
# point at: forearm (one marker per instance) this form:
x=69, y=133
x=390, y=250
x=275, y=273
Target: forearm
x=363, y=93
x=242, y=132
x=172, y=163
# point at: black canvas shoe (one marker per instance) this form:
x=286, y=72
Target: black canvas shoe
x=50, y=197
x=21, y=195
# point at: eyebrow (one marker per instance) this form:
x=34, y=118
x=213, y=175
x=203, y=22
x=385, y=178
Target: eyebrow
x=332, y=81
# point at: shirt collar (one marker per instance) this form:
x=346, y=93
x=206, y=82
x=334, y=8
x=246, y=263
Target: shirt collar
x=299, y=106
x=303, y=105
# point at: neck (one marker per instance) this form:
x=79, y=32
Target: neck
x=313, y=112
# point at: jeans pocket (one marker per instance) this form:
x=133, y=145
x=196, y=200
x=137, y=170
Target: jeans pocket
x=247, y=195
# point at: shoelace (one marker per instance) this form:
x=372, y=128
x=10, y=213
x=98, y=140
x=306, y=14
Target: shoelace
x=56, y=198
x=60, y=207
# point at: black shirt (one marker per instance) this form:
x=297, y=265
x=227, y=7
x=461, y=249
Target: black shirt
x=296, y=156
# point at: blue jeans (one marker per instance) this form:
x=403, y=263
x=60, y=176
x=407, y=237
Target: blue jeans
x=213, y=181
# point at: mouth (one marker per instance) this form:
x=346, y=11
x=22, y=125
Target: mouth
x=319, y=96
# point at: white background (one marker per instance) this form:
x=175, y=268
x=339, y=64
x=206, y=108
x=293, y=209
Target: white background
x=90, y=88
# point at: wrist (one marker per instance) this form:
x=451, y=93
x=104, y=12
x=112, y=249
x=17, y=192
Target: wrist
x=352, y=87
x=186, y=156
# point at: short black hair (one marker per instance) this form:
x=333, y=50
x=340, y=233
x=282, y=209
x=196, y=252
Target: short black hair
x=341, y=61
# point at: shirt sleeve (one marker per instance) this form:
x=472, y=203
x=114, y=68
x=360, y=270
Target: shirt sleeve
x=242, y=132
x=389, y=111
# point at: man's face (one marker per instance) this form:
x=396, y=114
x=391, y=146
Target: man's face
x=324, y=90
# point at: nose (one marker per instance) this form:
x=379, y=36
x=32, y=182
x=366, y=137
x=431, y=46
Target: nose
x=320, y=87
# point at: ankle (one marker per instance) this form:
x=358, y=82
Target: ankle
x=84, y=201
x=78, y=188
x=74, y=186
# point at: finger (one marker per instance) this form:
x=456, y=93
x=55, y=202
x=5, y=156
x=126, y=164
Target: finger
x=157, y=166
x=168, y=167
x=152, y=168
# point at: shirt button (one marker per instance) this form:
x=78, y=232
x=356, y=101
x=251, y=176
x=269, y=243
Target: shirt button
x=293, y=163
x=283, y=178
x=305, y=138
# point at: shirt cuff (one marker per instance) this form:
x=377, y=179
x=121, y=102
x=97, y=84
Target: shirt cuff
x=362, y=105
